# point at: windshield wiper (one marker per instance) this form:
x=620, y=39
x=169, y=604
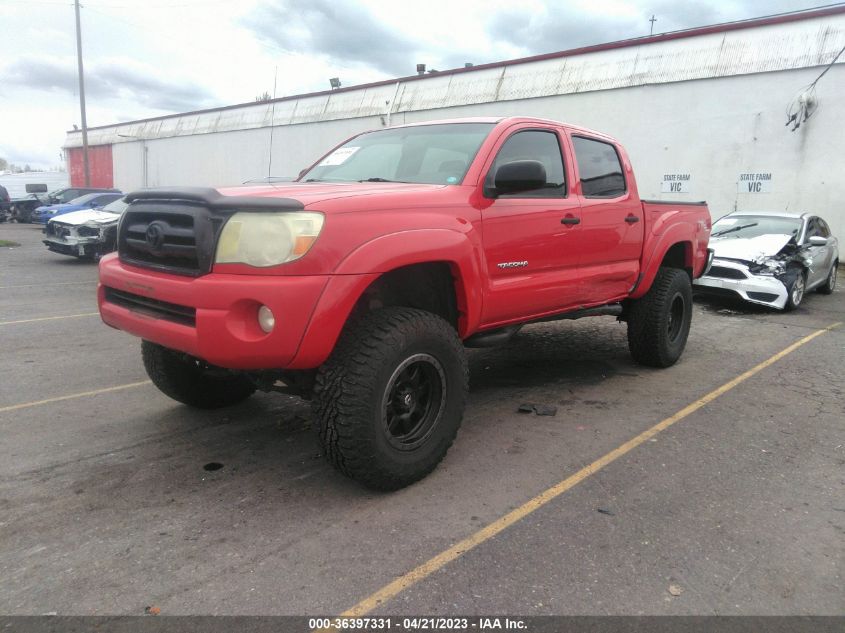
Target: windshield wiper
x=733, y=229
x=378, y=179
x=313, y=180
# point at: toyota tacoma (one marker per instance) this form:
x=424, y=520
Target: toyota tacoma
x=359, y=285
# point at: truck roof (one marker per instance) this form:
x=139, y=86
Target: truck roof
x=512, y=119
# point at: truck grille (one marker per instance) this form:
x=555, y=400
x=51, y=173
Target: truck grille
x=175, y=230
x=152, y=307
x=174, y=237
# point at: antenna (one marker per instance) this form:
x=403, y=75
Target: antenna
x=652, y=20
x=272, y=120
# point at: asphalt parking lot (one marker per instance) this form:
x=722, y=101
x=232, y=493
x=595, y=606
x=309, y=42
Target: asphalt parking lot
x=737, y=504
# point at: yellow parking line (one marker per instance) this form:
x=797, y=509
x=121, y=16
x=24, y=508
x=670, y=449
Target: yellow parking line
x=53, y=318
x=26, y=405
x=417, y=574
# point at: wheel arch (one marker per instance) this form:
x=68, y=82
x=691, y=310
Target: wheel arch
x=433, y=270
x=668, y=253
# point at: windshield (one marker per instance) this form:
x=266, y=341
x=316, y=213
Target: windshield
x=118, y=206
x=430, y=154
x=749, y=226
x=88, y=197
x=62, y=195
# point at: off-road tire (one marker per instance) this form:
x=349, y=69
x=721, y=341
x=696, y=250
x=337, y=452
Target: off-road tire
x=830, y=283
x=793, y=276
x=188, y=382
x=655, y=336
x=354, y=384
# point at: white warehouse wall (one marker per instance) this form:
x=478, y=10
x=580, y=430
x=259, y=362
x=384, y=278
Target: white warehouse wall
x=713, y=129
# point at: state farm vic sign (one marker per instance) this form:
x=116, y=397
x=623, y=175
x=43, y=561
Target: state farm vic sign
x=754, y=182
x=677, y=182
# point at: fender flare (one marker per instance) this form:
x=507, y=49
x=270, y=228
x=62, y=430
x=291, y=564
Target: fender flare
x=683, y=233
x=358, y=270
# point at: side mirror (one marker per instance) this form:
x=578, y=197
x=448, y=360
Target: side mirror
x=818, y=240
x=518, y=176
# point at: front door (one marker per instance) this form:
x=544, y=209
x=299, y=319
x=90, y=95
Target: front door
x=530, y=238
x=821, y=256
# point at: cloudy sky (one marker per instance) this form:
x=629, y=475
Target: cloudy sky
x=151, y=57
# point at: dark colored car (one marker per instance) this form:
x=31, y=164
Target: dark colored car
x=22, y=208
x=5, y=203
x=87, y=201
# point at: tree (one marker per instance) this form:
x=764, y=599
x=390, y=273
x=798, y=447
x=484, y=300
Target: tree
x=263, y=97
x=4, y=164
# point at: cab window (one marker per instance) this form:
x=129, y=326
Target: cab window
x=599, y=168
x=536, y=145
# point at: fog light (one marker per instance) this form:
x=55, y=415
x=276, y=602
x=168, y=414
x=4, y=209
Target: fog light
x=266, y=319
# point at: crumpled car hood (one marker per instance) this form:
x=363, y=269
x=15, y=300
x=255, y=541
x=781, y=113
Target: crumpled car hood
x=76, y=218
x=749, y=248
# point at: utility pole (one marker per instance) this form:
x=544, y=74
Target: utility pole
x=652, y=20
x=82, y=97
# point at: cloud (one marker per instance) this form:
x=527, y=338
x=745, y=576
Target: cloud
x=559, y=26
x=344, y=31
x=107, y=79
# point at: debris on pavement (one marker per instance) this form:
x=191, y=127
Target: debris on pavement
x=606, y=511
x=539, y=409
x=152, y=610
x=676, y=590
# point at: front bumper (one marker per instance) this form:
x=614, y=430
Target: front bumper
x=213, y=317
x=75, y=247
x=732, y=278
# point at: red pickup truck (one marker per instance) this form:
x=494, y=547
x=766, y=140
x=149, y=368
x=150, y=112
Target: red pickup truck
x=359, y=285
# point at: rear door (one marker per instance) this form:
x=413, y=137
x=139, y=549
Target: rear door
x=611, y=220
x=530, y=238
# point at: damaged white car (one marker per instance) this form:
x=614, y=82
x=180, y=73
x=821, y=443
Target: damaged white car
x=771, y=258
x=88, y=234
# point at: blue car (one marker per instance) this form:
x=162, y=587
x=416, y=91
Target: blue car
x=89, y=201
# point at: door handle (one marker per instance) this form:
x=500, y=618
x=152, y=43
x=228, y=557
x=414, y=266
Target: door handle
x=570, y=220
x=631, y=219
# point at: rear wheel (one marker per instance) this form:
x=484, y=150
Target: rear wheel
x=389, y=401
x=659, y=322
x=796, y=283
x=192, y=382
x=830, y=283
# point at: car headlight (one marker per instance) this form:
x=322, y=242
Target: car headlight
x=267, y=239
x=766, y=266
x=88, y=231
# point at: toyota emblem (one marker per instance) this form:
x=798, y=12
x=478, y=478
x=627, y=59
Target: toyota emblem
x=155, y=236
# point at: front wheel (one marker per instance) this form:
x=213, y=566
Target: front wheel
x=796, y=283
x=659, y=322
x=192, y=382
x=389, y=401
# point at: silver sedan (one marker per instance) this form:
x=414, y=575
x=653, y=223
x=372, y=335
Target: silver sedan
x=771, y=258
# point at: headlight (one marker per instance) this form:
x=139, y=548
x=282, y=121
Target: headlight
x=267, y=239
x=766, y=266
x=88, y=231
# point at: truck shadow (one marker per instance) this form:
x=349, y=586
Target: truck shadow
x=570, y=353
